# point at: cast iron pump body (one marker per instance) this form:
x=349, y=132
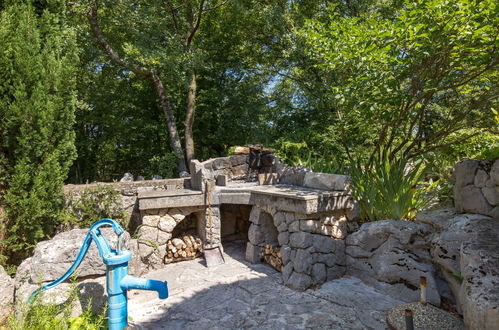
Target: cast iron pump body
x=118, y=280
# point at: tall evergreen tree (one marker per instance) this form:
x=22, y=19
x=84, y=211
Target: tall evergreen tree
x=37, y=97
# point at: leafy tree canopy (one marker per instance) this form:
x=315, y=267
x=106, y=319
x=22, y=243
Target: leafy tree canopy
x=406, y=84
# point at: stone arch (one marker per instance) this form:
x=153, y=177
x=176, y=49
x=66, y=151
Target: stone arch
x=263, y=238
x=269, y=230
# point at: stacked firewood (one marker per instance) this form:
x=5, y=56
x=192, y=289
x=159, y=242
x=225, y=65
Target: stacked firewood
x=272, y=255
x=185, y=247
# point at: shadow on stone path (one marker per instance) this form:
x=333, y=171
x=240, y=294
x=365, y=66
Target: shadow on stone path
x=238, y=295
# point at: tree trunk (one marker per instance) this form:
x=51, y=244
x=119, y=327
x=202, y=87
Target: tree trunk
x=189, y=118
x=165, y=105
x=164, y=99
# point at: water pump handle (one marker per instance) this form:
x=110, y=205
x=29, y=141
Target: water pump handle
x=105, y=250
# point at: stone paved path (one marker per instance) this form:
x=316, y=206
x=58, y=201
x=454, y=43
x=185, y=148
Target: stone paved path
x=238, y=295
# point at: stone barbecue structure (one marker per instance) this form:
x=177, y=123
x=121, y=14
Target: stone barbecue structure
x=303, y=218
x=304, y=225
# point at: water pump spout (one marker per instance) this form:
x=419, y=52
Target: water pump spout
x=135, y=283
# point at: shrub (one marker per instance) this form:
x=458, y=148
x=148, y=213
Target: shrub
x=299, y=154
x=166, y=165
x=37, y=96
x=390, y=189
x=85, y=207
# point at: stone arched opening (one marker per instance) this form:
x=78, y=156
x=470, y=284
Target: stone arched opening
x=269, y=230
x=234, y=223
x=170, y=235
x=263, y=243
x=186, y=242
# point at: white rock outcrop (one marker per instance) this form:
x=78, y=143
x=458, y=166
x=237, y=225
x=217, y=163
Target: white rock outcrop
x=392, y=255
x=6, y=293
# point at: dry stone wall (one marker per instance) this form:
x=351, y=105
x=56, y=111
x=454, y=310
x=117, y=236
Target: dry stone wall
x=312, y=247
x=157, y=229
x=129, y=193
x=476, y=189
x=232, y=167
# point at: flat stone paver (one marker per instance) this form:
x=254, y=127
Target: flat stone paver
x=239, y=295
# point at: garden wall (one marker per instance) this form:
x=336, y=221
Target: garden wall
x=476, y=189
x=128, y=192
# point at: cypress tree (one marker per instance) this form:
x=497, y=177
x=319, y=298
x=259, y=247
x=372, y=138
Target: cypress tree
x=37, y=101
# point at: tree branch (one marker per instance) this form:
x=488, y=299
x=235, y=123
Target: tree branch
x=438, y=146
x=216, y=6
x=106, y=47
x=193, y=29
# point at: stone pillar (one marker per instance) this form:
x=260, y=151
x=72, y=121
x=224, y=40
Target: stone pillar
x=211, y=233
x=255, y=236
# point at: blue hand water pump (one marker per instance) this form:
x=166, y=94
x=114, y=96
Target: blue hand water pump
x=118, y=280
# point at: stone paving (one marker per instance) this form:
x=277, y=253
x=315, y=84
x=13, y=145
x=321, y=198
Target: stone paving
x=239, y=295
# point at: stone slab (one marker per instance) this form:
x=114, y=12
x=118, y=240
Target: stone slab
x=168, y=193
x=172, y=201
x=284, y=197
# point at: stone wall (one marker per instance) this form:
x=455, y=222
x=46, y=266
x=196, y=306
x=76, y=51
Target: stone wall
x=159, y=226
x=129, y=191
x=312, y=247
x=232, y=168
x=476, y=189
x=236, y=168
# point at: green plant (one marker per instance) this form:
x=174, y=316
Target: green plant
x=299, y=154
x=458, y=275
x=85, y=207
x=318, y=163
x=37, y=102
x=166, y=165
x=391, y=189
x=50, y=315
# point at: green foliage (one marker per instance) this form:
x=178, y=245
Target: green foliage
x=289, y=152
x=391, y=189
x=37, y=97
x=403, y=84
x=298, y=154
x=85, y=207
x=49, y=315
x=458, y=275
x=166, y=165
x=482, y=145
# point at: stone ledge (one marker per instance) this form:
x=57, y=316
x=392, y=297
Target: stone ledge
x=172, y=201
x=180, y=182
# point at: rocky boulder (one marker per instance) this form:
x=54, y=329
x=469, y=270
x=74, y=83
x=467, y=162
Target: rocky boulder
x=479, y=295
x=91, y=293
x=6, y=293
x=326, y=181
x=446, y=244
x=465, y=248
x=392, y=255
x=52, y=258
